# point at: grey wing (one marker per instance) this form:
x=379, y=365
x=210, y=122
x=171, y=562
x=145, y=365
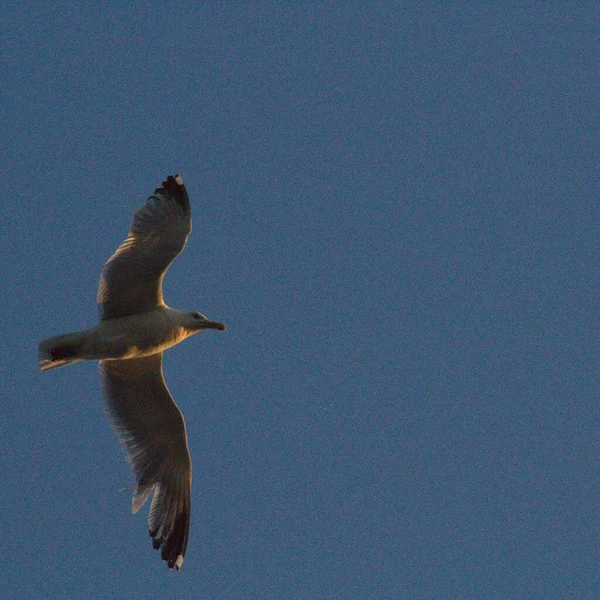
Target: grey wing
x=131, y=281
x=151, y=429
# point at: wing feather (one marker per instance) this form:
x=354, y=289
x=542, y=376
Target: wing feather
x=151, y=429
x=131, y=281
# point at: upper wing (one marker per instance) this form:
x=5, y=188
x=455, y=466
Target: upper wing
x=152, y=431
x=131, y=281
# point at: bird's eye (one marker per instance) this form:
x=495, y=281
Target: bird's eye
x=196, y=315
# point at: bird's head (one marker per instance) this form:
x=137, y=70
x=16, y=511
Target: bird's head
x=197, y=322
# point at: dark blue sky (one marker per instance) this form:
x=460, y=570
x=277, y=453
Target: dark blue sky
x=396, y=214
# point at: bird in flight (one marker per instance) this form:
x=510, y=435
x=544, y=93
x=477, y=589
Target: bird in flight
x=135, y=328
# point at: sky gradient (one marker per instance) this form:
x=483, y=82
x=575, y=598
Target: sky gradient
x=395, y=212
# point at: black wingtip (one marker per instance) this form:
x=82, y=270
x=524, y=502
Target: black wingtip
x=174, y=187
x=172, y=547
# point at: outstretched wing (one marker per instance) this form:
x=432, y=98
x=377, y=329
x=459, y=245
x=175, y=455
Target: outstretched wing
x=131, y=281
x=151, y=429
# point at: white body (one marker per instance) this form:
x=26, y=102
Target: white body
x=137, y=335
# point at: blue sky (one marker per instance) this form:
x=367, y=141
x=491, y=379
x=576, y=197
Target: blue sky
x=395, y=212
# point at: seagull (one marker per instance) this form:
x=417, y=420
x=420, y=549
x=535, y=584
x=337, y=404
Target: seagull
x=135, y=328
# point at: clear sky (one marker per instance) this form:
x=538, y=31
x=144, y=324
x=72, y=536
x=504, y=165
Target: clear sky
x=395, y=213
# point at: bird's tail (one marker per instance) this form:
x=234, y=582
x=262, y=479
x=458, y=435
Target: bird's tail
x=61, y=350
